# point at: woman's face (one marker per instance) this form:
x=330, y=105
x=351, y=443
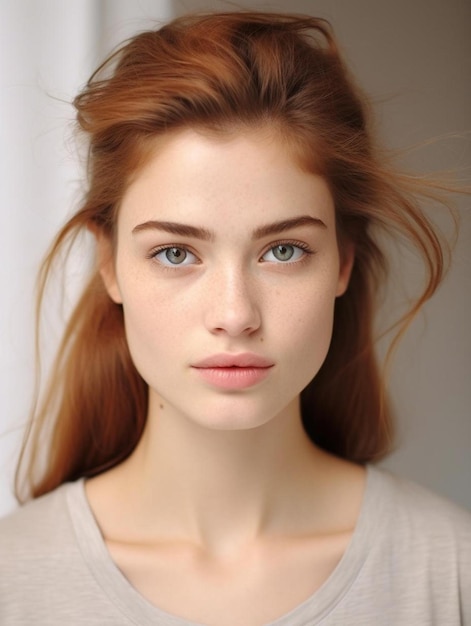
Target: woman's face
x=227, y=268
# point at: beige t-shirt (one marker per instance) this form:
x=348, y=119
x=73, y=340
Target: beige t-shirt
x=408, y=564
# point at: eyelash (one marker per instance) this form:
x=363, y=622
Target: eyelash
x=307, y=251
x=155, y=251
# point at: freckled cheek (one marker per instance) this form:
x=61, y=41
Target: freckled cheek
x=307, y=324
x=152, y=323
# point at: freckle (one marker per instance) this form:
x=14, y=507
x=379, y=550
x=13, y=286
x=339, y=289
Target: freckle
x=161, y=406
x=261, y=339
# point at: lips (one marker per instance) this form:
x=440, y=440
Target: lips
x=246, y=359
x=233, y=371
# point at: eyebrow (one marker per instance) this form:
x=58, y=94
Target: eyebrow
x=185, y=230
x=280, y=227
x=175, y=228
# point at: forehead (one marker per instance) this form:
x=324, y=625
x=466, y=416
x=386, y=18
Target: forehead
x=195, y=175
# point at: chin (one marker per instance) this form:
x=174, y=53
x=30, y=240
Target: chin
x=230, y=421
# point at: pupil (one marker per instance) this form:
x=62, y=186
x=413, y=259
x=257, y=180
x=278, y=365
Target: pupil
x=175, y=255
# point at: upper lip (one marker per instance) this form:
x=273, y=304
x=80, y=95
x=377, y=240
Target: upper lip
x=246, y=359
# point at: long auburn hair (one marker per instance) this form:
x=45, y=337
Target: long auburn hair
x=224, y=72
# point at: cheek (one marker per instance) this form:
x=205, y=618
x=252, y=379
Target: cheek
x=307, y=328
x=313, y=323
x=310, y=303
x=150, y=327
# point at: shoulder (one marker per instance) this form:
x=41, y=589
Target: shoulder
x=37, y=541
x=42, y=567
x=415, y=549
x=420, y=539
x=413, y=508
x=35, y=526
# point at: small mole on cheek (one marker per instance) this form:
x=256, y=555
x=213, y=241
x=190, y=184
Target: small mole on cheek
x=261, y=339
x=161, y=406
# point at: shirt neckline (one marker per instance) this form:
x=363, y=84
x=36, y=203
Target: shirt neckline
x=139, y=610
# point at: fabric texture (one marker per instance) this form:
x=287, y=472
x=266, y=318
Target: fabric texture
x=408, y=563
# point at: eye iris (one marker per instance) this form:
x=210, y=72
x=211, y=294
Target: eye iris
x=175, y=255
x=283, y=252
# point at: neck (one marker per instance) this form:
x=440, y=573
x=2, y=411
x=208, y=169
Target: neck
x=219, y=488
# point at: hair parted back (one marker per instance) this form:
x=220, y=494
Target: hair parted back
x=224, y=73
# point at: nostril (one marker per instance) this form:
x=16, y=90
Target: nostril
x=232, y=306
x=234, y=322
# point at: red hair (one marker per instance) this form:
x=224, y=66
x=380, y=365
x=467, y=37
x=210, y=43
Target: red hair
x=223, y=73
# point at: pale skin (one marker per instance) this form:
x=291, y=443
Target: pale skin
x=226, y=514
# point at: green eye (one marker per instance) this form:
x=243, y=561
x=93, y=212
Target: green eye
x=174, y=255
x=284, y=253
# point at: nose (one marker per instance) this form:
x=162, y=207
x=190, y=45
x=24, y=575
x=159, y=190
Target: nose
x=232, y=304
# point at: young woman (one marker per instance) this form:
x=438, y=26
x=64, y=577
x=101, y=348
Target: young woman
x=216, y=402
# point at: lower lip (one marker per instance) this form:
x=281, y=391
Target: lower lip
x=233, y=377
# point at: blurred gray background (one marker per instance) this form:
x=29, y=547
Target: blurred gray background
x=414, y=60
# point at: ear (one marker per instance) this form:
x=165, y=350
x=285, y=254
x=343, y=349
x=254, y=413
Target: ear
x=347, y=259
x=106, y=266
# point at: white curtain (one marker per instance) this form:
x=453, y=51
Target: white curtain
x=414, y=57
